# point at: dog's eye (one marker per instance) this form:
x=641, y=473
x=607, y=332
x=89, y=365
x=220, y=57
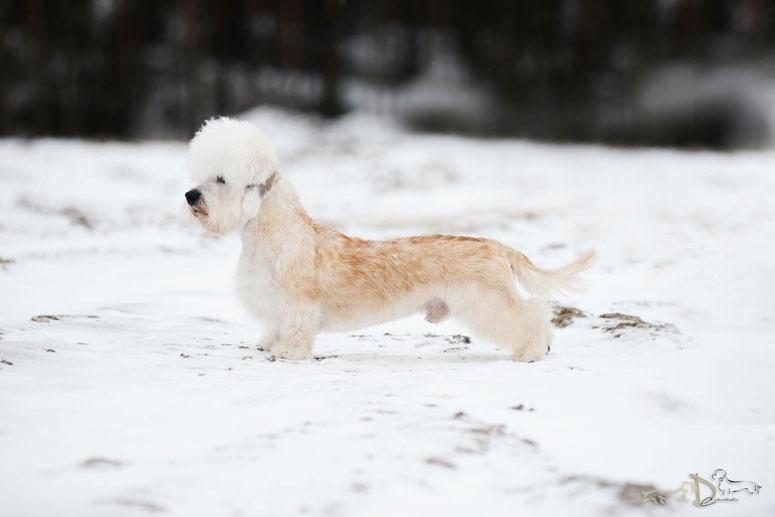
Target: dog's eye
x=219, y=179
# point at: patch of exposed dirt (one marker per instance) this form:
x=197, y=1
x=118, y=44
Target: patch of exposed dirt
x=482, y=434
x=455, y=339
x=46, y=318
x=99, y=462
x=209, y=319
x=618, y=323
x=139, y=504
x=5, y=263
x=359, y=488
x=77, y=217
x=324, y=357
x=627, y=493
x=554, y=246
x=73, y=214
x=488, y=429
x=440, y=462
x=633, y=493
x=564, y=316
x=459, y=341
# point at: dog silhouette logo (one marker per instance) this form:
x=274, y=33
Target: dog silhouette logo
x=728, y=486
x=704, y=491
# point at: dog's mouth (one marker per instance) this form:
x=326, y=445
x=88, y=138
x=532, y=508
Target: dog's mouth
x=198, y=211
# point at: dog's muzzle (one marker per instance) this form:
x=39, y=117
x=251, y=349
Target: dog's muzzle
x=192, y=196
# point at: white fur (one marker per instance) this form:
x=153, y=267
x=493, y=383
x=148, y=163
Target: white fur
x=301, y=278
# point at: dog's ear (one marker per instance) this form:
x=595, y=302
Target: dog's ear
x=254, y=195
x=251, y=203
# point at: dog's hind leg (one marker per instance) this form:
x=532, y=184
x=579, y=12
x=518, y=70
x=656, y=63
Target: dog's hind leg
x=499, y=315
x=534, y=318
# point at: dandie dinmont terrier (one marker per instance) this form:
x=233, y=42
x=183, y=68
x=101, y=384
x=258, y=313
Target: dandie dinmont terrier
x=301, y=277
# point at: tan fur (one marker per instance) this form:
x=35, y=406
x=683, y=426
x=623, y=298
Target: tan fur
x=301, y=277
x=345, y=282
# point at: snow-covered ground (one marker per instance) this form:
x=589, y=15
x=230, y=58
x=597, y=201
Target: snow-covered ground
x=130, y=382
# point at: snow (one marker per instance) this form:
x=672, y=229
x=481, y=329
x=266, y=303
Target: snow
x=145, y=392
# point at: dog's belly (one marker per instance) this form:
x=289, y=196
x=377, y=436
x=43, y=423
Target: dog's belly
x=365, y=315
x=343, y=324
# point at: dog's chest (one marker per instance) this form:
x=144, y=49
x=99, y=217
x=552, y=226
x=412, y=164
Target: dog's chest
x=256, y=285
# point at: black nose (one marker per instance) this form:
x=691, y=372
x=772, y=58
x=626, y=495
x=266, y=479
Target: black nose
x=192, y=196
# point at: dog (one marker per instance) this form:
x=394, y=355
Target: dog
x=726, y=486
x=300, y=277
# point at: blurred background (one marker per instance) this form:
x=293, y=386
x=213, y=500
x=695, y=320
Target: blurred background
x=130, y=381
x=677, y=73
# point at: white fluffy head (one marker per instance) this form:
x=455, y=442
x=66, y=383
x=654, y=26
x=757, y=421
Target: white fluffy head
x=229, y=159
x=234, y=149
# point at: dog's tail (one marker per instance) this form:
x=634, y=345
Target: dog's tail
x=543, y=282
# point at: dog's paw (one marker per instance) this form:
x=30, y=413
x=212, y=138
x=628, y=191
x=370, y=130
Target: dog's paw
x=291, y=353
x=528, y=357
x=532, y=352
x=268, y=342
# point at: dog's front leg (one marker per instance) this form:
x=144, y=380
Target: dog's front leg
x=297, y=335
x=295, y=343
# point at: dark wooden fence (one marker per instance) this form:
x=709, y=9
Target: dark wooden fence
x=146, y=68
